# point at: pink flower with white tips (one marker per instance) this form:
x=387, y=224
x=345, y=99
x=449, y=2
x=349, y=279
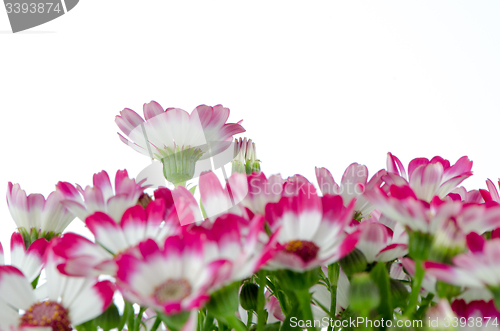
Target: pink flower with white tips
x=174, y=127
x=237, y=240
x=69, y=302
x=83, y=257
x=36, y=212
x=428, y=178
x=478, y=268
x=171, y=279
x=352, y=186
x=401, y=204
x=378, y=243
x=460, y=193
x=484, y=314
x=217, y=200
x=491, y=194
x=101, y=196
x=30, y=261
x=257, y=191
x=311, y=228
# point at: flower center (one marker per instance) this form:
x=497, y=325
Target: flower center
x=172, y=290
x=306, y=250
x=48, y=314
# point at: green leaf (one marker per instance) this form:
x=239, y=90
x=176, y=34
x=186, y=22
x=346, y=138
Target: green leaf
x=110, y=319
x=128, y=311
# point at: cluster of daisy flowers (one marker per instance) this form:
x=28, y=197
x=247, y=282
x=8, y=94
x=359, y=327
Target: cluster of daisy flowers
x=255, y=252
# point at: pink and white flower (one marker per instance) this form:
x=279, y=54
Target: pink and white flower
x=167, y=130
x=377, y=242
x=171, y=279
x=428, y=178
x=484, y=314
x=30, y=261
x=491, y=194
x=401, y=204
x=101, y=196
x=258, y=190
x=352, y=186
x=69, y=301
x=310, y=228
x=36, y=212
x=460, y=193
x=478, y=268
x=238, y=240
x=217, y=200
x=83, y=257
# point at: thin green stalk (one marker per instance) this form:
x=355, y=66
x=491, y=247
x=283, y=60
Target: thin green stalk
x=156, y=324
x=249, y=318
x=261, y=301
x=305, y=305
x=415, y=289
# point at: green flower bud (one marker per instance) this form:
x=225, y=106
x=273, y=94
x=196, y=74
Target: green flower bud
x=399, y=293
x=419, y=245
x=248, y=296
x=353, y=262
x=363, y=293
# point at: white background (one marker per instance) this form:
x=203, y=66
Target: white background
x=318, y=83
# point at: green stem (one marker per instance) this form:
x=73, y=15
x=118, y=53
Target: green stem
x=249, y=318
x=235, y=323
x=305, y=305
x=261, y=301
x=415, y=288
x=138, y=319
x=156, y=324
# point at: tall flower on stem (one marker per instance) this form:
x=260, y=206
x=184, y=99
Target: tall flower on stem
x=176, y=138
x=35, y=216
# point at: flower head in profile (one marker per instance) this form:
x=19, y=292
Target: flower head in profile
x=428, y=179
x=101, y=197
x=352, y=186
x=177, y=138
x=36, y=216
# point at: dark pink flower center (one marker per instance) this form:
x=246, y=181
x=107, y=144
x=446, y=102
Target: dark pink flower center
x=172, y=290
x=306, y=250
x=48, y=314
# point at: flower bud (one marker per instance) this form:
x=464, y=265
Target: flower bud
x=245, y=157
x=353, y=262
x=363, y=293
x=399, y=293
x=248, y=296
x=419, y=244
